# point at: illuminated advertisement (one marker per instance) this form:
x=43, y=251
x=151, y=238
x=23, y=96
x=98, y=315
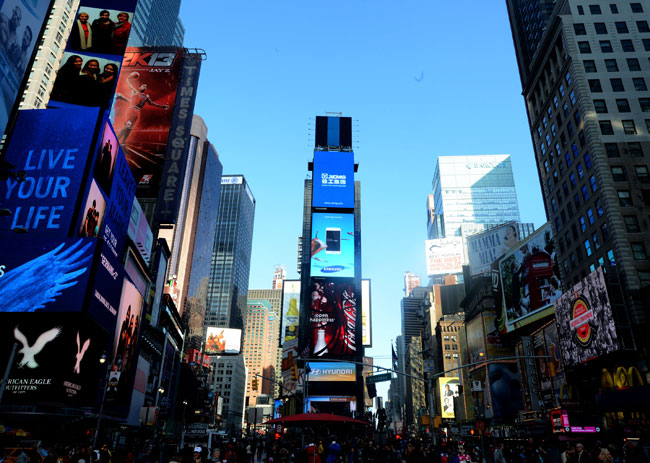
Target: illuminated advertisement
x=45, y=275
x=496, y=347
x=485, y=248
x=289, y=359
x=324, y=404
x=505, y=389
x=57, y=358
x=143, y=110
x=444, y=256
x=91, y=63
x=290, y=310
x=333, y=184
x=530, y=281
x=139, y=231
x=21, y=23
x=332, y=245
x=366, y=320
x=332, y=371
x=333, y=318
x=584, y=319
x=51, y=147
x=448, y=388
x=106, y=288
x=222, y=340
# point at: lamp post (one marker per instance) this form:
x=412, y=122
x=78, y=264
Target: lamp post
x=102, y=361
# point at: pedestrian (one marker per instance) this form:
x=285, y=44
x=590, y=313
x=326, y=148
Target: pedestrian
x=22, y=457
x=197, y=455
x=333, y=452
x=499, y=454
x=581, y=455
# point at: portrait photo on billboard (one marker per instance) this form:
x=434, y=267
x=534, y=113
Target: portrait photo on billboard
x=95, y=208
x=57, y=358
x=45, y=275
x=333, y=184
x=290, y=310
x=333, y=318
x=105, y=159
x=585, y=322
x=20, y=26
x=222, y=340
x=486, y=247
x=505, y=389
x=332, y=245
x=102, y=27
x=530, y=281
x=143, y=110
x=448, y=388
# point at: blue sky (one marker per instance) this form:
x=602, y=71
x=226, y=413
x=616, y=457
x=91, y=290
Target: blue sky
x=419, y=78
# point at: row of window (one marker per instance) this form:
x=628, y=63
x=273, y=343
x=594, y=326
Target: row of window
x=622, y=105
x=606, y=46
x=611, y=65
x=621, y=28
x=617, y=85
x=629, y=127
x=641, y=171
x=613, y=8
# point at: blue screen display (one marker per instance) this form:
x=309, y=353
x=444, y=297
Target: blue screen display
x=332, y=245
x=333, y=179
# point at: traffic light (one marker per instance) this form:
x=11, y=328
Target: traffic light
x=294, y=373
x=254, y=385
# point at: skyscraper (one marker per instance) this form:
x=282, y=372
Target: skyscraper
x=274, y=297
x=585, y=86
x=260, y=348
x=231, y=255
x=411, y=281
x=279, y=275
x=156, y=23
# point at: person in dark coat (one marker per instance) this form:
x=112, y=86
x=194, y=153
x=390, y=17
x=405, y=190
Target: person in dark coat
x=67, y=80
x=103, y=33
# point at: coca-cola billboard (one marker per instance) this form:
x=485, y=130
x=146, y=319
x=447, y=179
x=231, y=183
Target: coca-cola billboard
x=333, y=318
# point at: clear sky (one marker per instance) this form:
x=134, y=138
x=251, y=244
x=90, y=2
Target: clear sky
x=420, y=79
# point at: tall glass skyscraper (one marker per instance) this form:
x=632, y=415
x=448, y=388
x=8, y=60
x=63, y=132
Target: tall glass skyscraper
x=156, y=23
x=470, y=194
x=231, y=255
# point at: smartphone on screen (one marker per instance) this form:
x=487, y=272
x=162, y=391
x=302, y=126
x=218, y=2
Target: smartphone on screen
x=333, y=241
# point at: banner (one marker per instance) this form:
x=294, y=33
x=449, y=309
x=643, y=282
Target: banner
x=290, y=310
x=444, y=256
x=485, y=248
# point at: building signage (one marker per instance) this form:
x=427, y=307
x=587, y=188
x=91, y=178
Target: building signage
x=366, y=317
x=232, y=180
x=485, y=248
x=332, y=371
x=444, y=256
x=333, y=180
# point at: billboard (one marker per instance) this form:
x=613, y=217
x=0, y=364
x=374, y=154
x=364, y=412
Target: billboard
x=142, y=112
x=57, y=358
x=448, y=388
x=139, y=231
x=289, y=358
x=366, y=318
x=332, y=371
x=106, y=289
x=530, y=280
x=486, y=247
x=290, y=310
x=444, y=256
x=333, y=318
x=505, y=389
x=222, y=340
x=584, y=319
x=333, y=184
x=21, y=22
x=51, y=147
x=91, y=63
x=332, y=245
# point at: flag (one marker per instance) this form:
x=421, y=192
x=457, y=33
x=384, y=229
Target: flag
x=394, y=357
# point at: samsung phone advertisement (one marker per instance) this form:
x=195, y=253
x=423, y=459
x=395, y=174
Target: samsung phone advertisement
x=333, y=179
x=332, y=245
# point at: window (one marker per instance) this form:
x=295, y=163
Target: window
x=631, y=224
x=572, y=179
x=646, y=44
x=642, y=173
x=623, y=105
x=611, y=65
x=590, y=216
x=590, y=65
x=606, y=46
x=645, y=104
x=561, y=90
x=572, y=97
x=580, y=171
x=594, y=86
x=621, y=27
x=581, y=10
x=594, y=238
x=639, y=84
x=642, y=26
x=588, y=247
x=595, y=9
x=587, y=160
x=624, y=198
x=636, y=8
x=617, y=85
x=633, y=64
x=599, y=208
x=613, y=8
x=567, y=158
x=635, y=149
x=638, y=251
x=628, y=127
x=618, y=174
x=568, y=79
x=606, y=127
x=576, y=200
x=585, y=192
x=601, y=29
x=647, y=125
x=592, y=182
x=584, y=47
x=576, y=117
x=601, y=106
x=612, y=150
x=583, y=224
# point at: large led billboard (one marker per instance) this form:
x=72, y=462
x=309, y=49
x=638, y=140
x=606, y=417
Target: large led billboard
x=530, y=280
x=444, y=256
x=366, y=314
x=333, y=184
x=448, y=387
x=20, y=27
x=584, y=319
x=505, y=389
x=485, y=248
x=222, y=340
x=333, y=318
x=332, y=371
x=290, y=310
x=332, y=245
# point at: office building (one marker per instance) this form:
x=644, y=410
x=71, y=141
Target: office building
x=260, y=349
x=274, y=297
x=410, y=282
x=585, y=84
x=156, y=23
x=228, y=379
x=231, y=255
x=279, y=275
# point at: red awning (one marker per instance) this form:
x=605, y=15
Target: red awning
x=315, y=417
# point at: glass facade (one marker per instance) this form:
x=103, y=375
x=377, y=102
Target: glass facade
x=231, y=255
x=472, y=190
x=156, y=23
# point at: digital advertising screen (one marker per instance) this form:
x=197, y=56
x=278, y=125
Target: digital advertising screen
x=332, y=245
x=332, y=371
x=486, y=247
x=21, y=23
x=143, y=110
x=366, y=314
x=444, y=256
x=333, y=318
x=333, y=185
x=222, y=340
x=505, y=389
x=448, y=387
x=585, y=323
x=52, y=148
x=290, y=310
x=530, y=281
x=106, y=288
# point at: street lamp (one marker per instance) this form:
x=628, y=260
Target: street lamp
x=102, y=361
